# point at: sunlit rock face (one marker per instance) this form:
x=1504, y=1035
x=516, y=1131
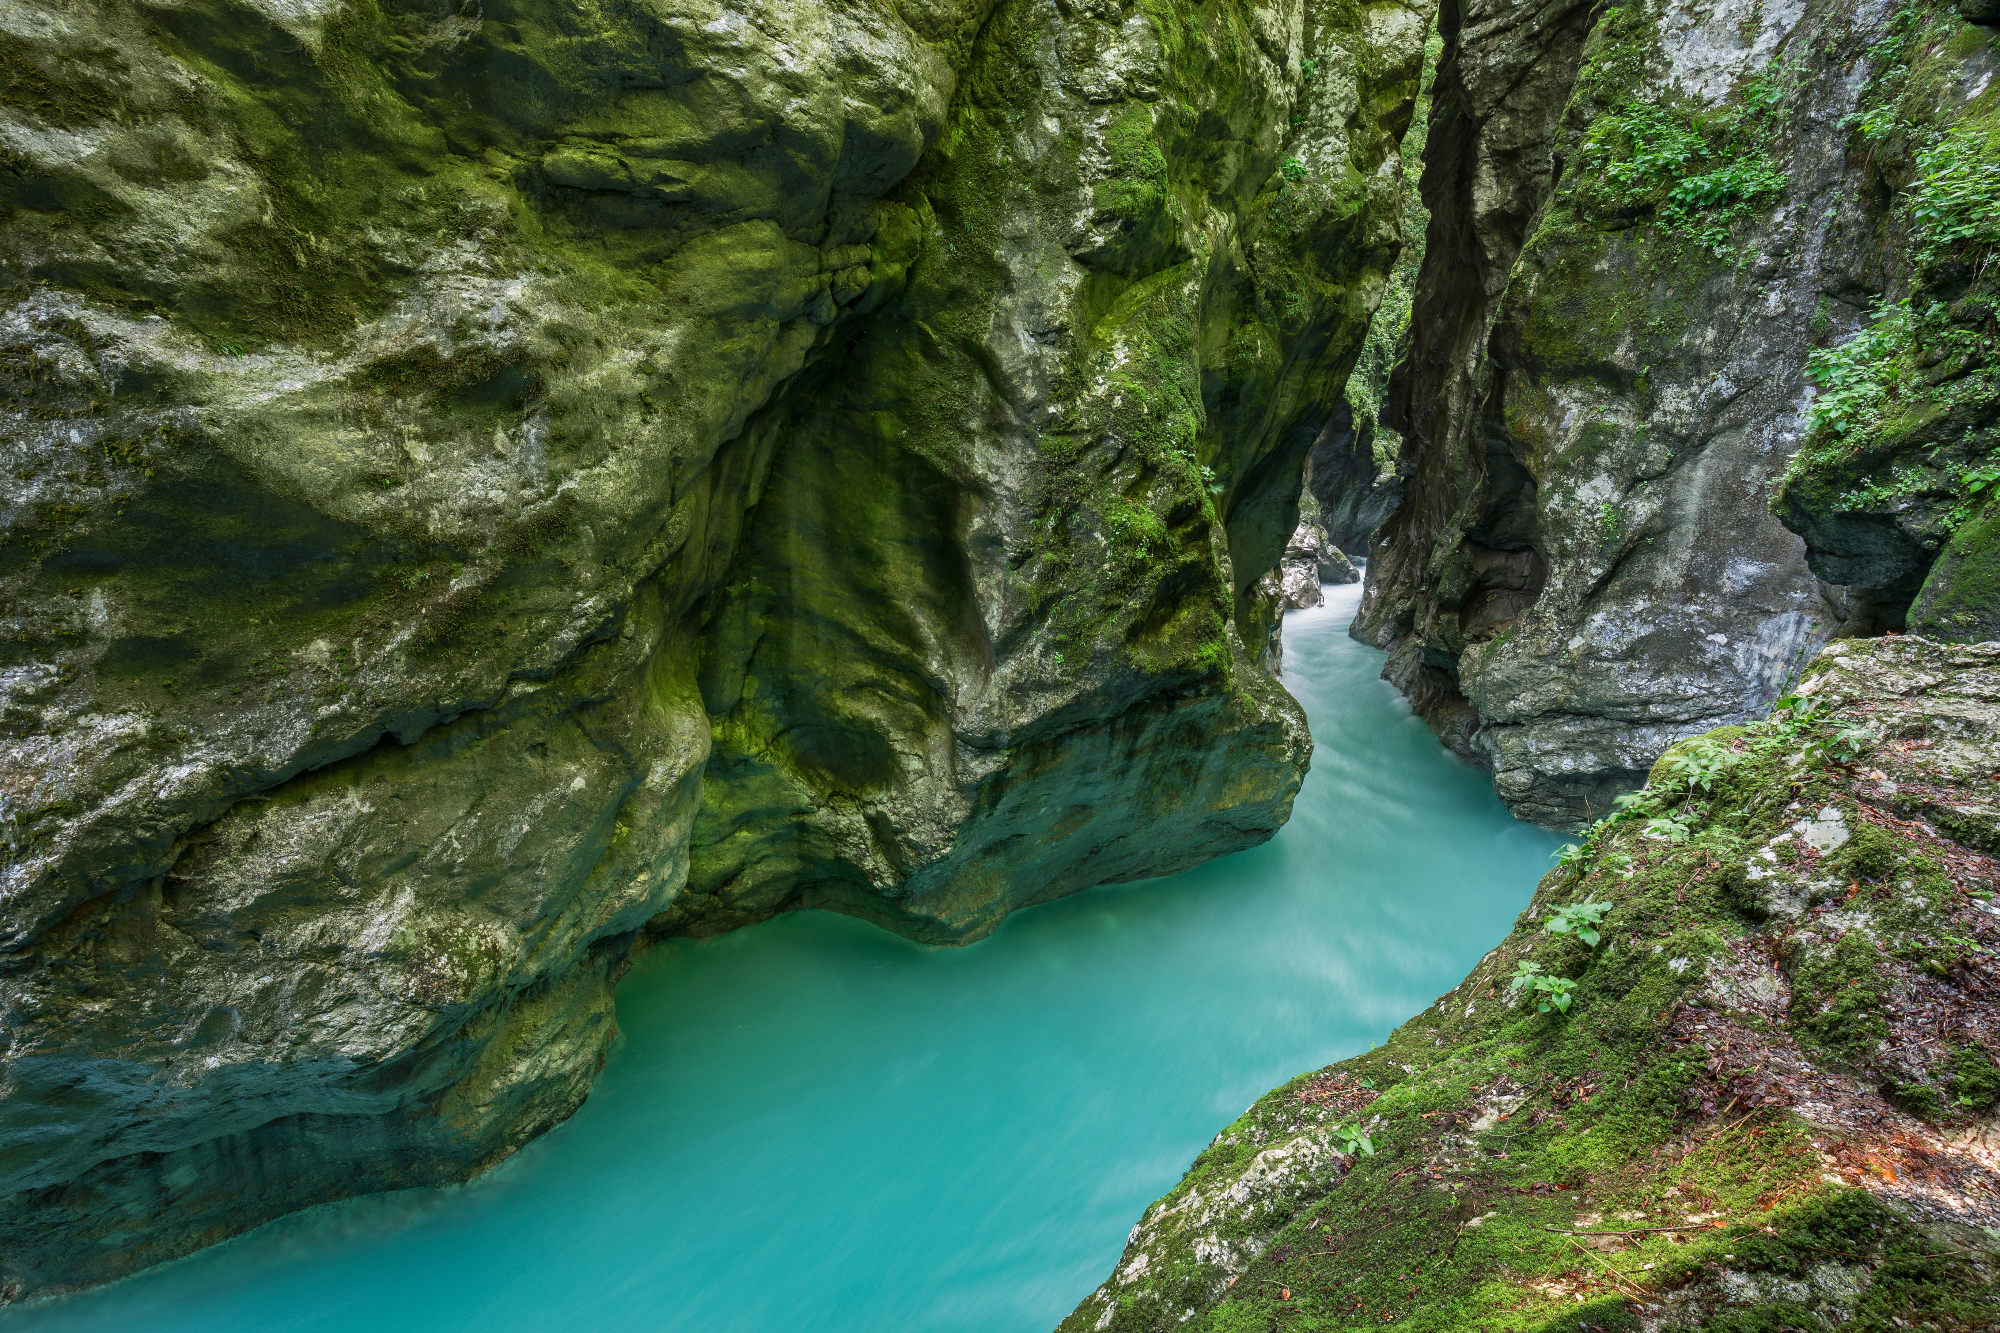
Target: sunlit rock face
x=1624, y=519
x=490, y=484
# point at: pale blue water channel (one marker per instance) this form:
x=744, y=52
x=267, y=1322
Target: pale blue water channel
x=813, y=1126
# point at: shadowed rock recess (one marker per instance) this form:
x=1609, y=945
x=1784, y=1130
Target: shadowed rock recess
x=488, y=482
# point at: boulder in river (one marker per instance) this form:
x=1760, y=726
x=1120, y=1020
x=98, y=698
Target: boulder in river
x=1310, y=560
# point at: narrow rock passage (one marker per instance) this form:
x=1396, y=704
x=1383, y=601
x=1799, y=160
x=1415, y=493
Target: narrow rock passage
x=813, y=1125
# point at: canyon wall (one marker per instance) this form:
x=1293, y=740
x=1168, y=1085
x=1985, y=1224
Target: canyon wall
x=488, y=483
x=1702, y=375
x=1652, y=228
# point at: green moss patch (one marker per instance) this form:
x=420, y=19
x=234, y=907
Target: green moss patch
x=1745, y=1117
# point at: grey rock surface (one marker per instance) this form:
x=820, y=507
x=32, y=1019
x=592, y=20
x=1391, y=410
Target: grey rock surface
x=1583, y=568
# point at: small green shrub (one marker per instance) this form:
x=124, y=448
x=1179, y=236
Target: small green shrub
x=1578, y=919
x=1955, y=204
x=1551, y=993
x=1856, y=377
x=1673, y=828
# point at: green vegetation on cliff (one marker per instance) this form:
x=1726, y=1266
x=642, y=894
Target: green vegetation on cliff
x=1901, y=453
x=1670, y=158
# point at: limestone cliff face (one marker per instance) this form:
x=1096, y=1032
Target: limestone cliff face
x=1645, y=223
x=489, y=482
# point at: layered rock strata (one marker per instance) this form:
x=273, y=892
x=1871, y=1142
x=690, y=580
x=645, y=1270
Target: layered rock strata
x=1646, y=222
x=489, y=483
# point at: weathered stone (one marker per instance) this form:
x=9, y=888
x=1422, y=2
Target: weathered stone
x=490, y=486
x=1602, y=391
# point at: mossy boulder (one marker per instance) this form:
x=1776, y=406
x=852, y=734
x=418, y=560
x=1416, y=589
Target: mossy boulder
x=1742, y=1120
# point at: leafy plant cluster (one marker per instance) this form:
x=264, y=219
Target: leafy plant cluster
x=1859, y=376
x=1923, y=358
x=1954, y=206
x=1550, y=993
x=1696, y=169
x=1554, y=994
x=1578, y=919
x=1870, y=386
x=1801, y=718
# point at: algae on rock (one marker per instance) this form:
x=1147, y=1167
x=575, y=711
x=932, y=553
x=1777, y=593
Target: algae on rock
x=490, y=484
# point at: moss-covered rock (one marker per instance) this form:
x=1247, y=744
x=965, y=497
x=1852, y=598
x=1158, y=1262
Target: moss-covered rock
x=490, y=484
x=1960, y=598
x=1761, y=1098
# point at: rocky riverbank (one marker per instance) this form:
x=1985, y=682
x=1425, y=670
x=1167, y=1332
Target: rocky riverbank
x=1737, y=1066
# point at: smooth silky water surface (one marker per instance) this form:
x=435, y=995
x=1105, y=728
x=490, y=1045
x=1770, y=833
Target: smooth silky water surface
x=813, y=1125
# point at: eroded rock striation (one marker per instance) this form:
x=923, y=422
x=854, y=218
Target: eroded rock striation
x=1737, y=1066
x=1650, y=227
x=490, y=482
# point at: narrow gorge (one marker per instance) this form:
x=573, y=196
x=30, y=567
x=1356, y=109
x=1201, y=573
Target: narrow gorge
x=501, y=494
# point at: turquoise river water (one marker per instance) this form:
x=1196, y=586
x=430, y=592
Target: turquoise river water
x=816, y=1127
